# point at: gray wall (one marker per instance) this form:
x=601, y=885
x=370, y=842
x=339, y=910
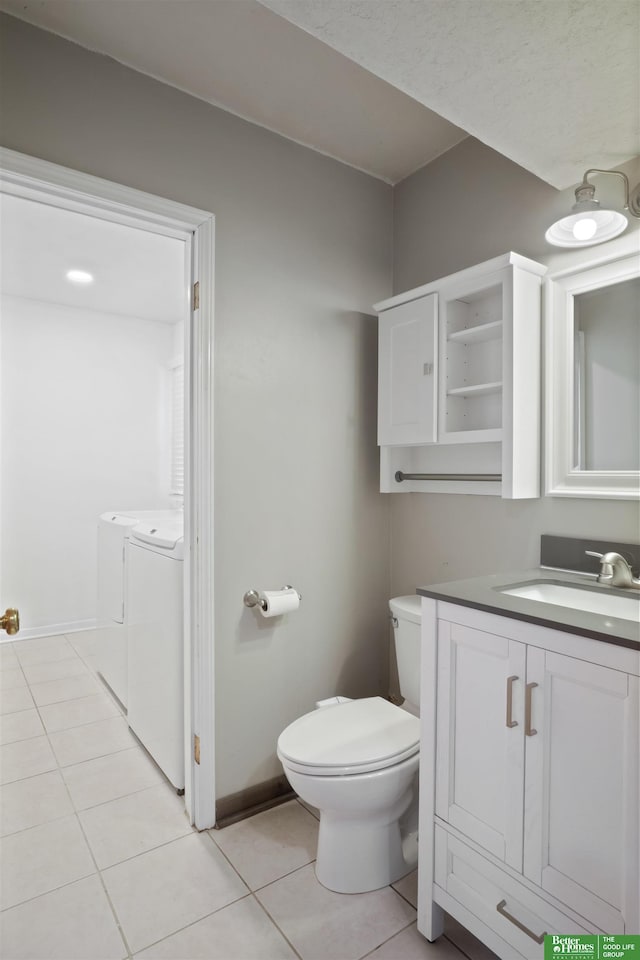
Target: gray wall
x=467, y=206
x=303, y=248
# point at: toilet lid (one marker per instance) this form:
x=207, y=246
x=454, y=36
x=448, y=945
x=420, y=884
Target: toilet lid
x=366, y=734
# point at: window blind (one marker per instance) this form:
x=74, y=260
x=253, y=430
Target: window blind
x=177, y=429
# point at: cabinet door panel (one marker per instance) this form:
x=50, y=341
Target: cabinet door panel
x=408, y=373
x=479, y=777
x=581, y=803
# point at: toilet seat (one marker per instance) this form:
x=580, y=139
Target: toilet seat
x=359, y=736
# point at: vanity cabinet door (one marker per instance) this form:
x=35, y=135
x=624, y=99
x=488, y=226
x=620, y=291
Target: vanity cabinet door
x=581, y=797
x=407, y=374
x=480, y=736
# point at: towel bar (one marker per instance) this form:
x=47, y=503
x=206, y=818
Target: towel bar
x=400, y=476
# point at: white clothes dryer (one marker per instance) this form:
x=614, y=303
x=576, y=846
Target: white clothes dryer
x=155, y=552
x=114, y=529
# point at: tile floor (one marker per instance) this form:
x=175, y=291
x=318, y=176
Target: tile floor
x=98, y=861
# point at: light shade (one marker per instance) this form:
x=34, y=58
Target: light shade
x=588, y=223
x=586, y=228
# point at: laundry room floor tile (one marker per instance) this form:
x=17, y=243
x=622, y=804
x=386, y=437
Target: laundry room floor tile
x=91, y=740
x=407, y=887
x=15, y=699
x=270, y=844
x=25, y=758
x=84, y=642
x=58, y=670
x=108, y=778
x=160, y=892
x=411, y=945
x=8, y=659
x=43, y=650
x=125, y=828
x=28, y=803
x=42, y=858
x=72, y=923
x=76, y=713
x=23, y=725
x=465, y=941
x=322, y=925
x=237, y=932
x=69, y=688
x=12, y=679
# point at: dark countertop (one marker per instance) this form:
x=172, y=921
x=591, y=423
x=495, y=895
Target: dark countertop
x=484, y=593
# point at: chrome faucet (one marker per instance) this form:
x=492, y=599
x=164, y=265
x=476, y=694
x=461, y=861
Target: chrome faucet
x=614, y=570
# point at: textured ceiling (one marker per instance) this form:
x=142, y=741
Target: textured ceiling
x=552, y=84
x=388, y=85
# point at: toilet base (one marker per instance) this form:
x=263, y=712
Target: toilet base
x=356, y=857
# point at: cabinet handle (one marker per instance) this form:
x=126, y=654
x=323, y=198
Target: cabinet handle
x=500, y=907
x=510, y=722
x=528, y=729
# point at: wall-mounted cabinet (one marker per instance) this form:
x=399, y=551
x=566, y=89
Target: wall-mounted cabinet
x=459, y=382
x=407, y=401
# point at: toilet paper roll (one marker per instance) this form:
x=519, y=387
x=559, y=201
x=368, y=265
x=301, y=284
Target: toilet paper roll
x=273, y=603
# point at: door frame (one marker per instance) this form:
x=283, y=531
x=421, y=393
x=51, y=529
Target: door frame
x=45, y=182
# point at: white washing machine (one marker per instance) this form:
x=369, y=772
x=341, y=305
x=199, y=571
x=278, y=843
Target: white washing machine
x=155, y=553
x=114, y=530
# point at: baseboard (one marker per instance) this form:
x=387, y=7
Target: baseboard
x=54, y=629
x=255, y=799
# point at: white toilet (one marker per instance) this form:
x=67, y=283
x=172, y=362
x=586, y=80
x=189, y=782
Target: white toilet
x=357, y=762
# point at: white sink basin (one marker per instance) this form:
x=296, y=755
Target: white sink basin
x=580, y=598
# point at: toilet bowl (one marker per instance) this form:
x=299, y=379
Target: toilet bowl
x=357, y=762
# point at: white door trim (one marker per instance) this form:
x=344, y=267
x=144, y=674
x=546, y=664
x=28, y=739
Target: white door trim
x=49, y=183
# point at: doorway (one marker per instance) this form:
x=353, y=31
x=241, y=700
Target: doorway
x=52, y=191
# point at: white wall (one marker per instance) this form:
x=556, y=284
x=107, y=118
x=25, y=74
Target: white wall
x=83, y=431
x=303, y=249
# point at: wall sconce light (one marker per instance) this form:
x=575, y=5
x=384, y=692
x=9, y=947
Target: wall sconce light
x=589, y=223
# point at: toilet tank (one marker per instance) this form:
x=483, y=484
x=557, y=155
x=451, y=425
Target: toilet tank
x=406, y=614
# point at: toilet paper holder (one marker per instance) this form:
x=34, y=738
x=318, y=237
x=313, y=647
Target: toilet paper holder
x=253, y=599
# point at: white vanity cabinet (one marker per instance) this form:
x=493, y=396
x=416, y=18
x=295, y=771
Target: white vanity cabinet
x=459, y=381
x=478, y=673
x=582, y=808
x=530, y=805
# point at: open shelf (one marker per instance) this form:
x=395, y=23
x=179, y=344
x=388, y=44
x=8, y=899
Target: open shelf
x=478, y=333
x=476, y=389
x=471, y=389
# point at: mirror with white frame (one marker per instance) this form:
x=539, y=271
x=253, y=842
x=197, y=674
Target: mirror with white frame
x=592, y=329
